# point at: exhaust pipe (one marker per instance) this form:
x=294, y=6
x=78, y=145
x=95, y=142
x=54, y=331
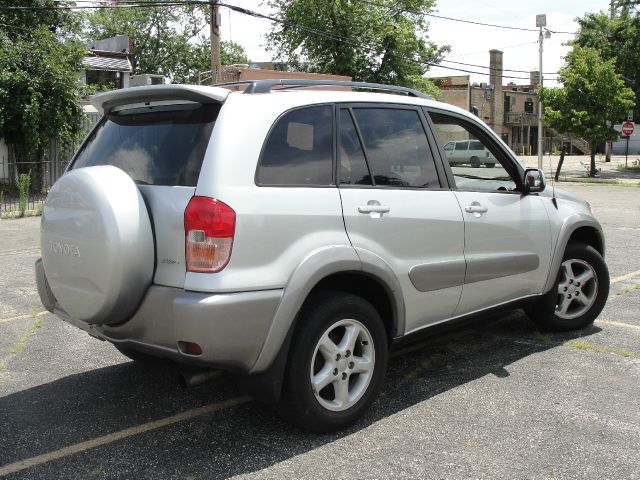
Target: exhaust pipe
x=195, y=377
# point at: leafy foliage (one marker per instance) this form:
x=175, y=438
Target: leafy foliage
x=383, y=41
x=39, y=85
x=616, y=38
x=592, y=94
x=171, y=41
x=24, y=180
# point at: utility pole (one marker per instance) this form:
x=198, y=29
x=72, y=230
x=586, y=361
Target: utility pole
x=214, y=25
x=541, y=22
x=607, y=144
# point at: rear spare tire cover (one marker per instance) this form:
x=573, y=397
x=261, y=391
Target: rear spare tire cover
x=97, y=244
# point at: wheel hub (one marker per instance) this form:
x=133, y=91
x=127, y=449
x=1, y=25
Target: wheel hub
x=577, y=289
x=342, y=365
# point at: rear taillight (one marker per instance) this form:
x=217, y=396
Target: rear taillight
x=209, y=226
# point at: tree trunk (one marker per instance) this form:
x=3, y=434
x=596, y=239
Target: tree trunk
x=592, y=169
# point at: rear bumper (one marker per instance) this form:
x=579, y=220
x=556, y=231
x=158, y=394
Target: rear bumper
x=231, y=328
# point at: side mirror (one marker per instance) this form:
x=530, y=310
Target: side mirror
x=533, y=181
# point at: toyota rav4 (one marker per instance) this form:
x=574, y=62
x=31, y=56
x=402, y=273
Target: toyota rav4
x=293, y=235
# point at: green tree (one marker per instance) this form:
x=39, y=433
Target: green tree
x=616, y=38
x=171, y=41
x=383, y=41
x=39, y=86
x=591, y=95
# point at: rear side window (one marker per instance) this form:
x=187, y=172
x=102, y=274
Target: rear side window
x=461, y=145
x=164, y=145
x=299, y=150
x=396, y=147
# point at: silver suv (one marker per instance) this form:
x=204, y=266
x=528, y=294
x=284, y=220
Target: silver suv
x=295, y=235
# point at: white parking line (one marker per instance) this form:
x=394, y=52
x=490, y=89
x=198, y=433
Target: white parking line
x=7, y=253
x=622, y=278
x=114, y=437
x=619, y=324
x=22, y=317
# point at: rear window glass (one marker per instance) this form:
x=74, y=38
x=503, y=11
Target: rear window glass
x=162, y=146
x=299, y=150
x=475, y=145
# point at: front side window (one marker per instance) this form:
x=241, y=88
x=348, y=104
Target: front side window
x=477, y=166
x=396, y=147
x=299, y=149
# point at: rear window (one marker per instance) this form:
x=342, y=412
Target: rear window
x=476, y=145
x=164, y=145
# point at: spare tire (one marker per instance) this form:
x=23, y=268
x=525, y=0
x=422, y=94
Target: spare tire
x=97, y=244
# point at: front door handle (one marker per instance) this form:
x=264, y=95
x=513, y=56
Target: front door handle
x=476, y=209
x=374, y=208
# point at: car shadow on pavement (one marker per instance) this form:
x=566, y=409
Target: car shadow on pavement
x=242, y=439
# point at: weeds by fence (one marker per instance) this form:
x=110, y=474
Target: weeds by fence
x=11, y=207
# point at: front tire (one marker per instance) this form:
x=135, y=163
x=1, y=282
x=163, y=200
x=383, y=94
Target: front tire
x=337, y=362
x=580, y=292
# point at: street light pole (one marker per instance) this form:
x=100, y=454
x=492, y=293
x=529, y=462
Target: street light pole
x=541, y=22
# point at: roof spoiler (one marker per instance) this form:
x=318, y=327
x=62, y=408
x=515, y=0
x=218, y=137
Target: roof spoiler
x=106, y=102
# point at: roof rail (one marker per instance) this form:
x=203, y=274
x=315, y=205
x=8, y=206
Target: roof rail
x=265, y=86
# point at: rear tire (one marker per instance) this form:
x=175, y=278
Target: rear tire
x=579, y=294
x=490, y=165
x=337, y=362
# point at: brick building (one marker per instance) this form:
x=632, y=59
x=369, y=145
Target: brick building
x=510, y=110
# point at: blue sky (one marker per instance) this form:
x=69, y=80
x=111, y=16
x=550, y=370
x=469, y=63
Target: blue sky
x=470, y=43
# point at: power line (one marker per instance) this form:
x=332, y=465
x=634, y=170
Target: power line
x=71, y=5
x=483, y=66
x=493, y=25
x=244, y=11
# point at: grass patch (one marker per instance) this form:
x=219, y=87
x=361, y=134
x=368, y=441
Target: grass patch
x=538, y=336
x=623, y=352
x=19, y=346
x=582, y=345
x=629, y=289
x=601, y=184
x=13, y=214
x=630, y=168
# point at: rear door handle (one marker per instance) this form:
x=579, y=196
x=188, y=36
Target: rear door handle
x=476, y=209
x=374, y=208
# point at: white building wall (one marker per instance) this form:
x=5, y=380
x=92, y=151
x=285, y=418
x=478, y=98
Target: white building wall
x=4, y=161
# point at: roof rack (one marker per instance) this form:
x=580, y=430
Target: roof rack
x=265, y=86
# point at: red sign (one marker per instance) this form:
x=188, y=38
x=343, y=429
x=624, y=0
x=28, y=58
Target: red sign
x=627, y=128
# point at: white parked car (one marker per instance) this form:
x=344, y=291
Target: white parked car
x=469, y=152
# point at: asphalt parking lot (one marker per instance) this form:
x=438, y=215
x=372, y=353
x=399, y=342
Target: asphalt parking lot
x=497, y=399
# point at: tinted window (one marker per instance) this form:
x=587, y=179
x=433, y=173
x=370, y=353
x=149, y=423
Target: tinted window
x=461, y=145
x=353, y=166
x=299, y=150
x=481, y=168
x=396, y=147
x=162, y=146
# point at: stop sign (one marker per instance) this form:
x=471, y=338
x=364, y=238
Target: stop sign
x=627, y=128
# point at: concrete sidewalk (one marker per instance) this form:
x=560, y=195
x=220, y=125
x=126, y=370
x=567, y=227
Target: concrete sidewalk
x=576, y=168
